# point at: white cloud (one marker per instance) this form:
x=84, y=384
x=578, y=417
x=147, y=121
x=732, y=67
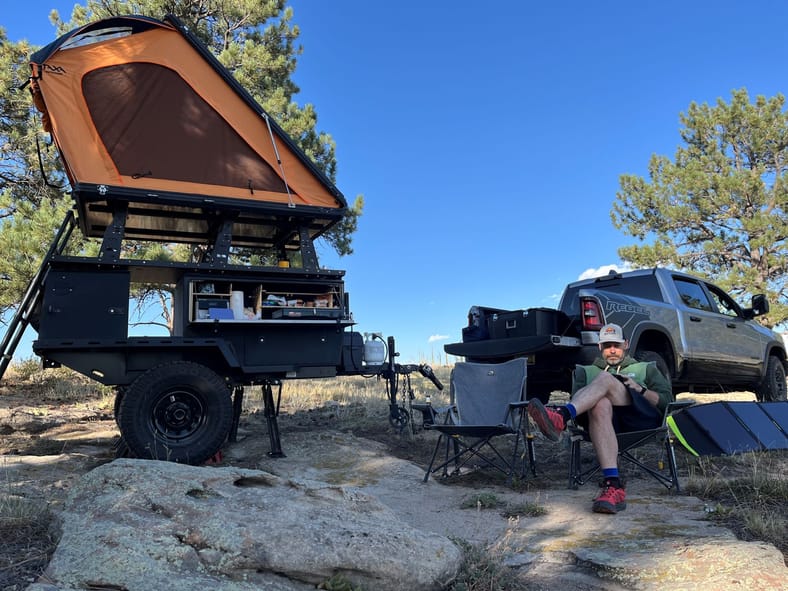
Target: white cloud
x=437, y=337
x=603, y=270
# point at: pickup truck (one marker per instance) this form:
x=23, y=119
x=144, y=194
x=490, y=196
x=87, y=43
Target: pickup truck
x=698, y=336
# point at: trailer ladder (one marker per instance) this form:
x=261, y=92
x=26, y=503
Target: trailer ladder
x=33, y=296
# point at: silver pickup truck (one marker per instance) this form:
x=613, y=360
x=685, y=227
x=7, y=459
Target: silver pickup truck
x=695, y=332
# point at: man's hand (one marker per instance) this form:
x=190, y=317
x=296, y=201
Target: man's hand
x=632, y=384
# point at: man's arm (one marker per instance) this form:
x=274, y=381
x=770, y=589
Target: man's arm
x=658, y=390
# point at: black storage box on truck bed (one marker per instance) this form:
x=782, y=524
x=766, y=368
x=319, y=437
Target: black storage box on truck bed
x=542, y=335
x=526, y=323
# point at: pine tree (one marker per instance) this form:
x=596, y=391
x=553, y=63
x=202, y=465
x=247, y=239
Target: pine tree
x=720, y=207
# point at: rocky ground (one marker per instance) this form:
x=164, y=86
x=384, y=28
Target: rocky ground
x=44, y=449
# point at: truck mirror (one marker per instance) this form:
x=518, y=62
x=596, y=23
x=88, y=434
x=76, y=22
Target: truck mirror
x=760, y=305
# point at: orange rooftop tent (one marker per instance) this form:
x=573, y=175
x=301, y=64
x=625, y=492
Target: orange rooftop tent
x=146, y=119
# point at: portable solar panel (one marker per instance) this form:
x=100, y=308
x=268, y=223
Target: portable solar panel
x=727, y=428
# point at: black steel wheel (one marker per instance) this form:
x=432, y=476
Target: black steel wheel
x=772, y=388
x=180, y=412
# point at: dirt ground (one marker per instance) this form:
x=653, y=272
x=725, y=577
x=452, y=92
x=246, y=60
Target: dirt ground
x=44, y=449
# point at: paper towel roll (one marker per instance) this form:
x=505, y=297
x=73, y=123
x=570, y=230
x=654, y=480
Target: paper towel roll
x=237, y=304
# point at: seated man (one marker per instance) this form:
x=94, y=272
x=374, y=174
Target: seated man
x=619, y=394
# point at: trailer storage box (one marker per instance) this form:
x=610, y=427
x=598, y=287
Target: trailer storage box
x=85, y=305
x=526, y=323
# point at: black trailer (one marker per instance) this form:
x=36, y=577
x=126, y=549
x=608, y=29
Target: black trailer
x=196, y=162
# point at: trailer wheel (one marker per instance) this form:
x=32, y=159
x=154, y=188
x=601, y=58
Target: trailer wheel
x=180, y=412
x=119, y=392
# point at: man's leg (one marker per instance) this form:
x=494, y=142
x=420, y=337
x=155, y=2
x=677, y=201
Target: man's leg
x=597, y=399
x=605, y=385
x=603, y=436
x=612, y=498
x=552, y=422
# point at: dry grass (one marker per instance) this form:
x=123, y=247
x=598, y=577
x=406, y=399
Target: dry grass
x=55, y=386
x=747, y=493
x=27, y=539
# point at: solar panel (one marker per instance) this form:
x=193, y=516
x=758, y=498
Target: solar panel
x=727, y=428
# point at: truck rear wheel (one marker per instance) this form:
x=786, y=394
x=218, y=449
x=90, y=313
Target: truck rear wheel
x=180, y=412
x=772, y=388
x=658, y=360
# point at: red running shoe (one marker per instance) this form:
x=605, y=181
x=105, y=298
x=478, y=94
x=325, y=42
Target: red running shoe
x=549, y=421
x=612, y=499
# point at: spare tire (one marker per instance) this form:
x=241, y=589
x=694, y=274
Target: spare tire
x=179, y=412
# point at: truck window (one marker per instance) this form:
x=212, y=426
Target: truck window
x=725, y=304
x=692, y=294
x=637, y=286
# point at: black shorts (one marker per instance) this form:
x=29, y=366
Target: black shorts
x=638, y=416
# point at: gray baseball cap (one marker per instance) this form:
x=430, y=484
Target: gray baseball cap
x=611, y=333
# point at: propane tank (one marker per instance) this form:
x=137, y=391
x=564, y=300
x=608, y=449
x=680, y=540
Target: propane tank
x=374, y=349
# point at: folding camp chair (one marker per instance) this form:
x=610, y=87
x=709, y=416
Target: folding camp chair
x=627, y=442
x=487, y=401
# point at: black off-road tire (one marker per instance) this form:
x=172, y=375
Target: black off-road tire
x=658, y=360
x=119, y=393
x=772, y=388
x=179, y=412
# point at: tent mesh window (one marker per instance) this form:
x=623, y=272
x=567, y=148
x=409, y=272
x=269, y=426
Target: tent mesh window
x=154, y=124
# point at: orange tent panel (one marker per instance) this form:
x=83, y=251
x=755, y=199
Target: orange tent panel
x=143, y=109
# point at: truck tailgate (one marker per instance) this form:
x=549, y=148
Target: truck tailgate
x=511, y=347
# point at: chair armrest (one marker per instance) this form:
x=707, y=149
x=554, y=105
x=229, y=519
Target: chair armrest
x=520, y=404
x=673, y=407
x=442, y=409
x=447, y=411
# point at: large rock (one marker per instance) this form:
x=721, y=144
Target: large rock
x=140, y=525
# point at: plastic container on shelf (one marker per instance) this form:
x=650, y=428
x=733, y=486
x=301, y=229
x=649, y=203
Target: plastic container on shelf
x=237, y=304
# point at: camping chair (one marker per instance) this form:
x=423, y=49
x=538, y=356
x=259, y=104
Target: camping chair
x=627, y=442
x=487, y=401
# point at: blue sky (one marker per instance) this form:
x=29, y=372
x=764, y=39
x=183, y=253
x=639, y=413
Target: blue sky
x=488, y=139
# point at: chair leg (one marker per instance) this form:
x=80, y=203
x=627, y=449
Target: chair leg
x=434, y=455
x=674, y=472
x=667, y=481
x=529, y=444
x=524, y=427
x=574, y=464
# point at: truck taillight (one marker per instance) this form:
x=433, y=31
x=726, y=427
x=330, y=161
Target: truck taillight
x=592, y=315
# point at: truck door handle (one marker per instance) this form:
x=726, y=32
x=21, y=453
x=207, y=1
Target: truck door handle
x=730, y=324
x=694, y=319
